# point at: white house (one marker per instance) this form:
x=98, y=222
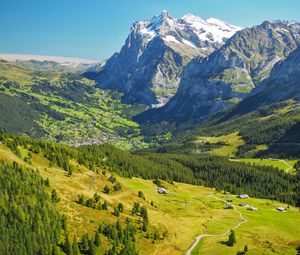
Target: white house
x=228, y=206
x=162, y=191
x=243, y=196
x=251, y=208
x=281, y=209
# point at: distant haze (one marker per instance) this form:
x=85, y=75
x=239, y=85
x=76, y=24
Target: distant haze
x=58, y=59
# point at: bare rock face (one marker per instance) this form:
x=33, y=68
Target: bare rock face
x=283, y=82
x=230, y=73
x=148, y=67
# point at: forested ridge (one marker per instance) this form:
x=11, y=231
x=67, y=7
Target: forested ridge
x=211, y=171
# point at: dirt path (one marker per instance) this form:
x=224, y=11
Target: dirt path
x=287, y=164
x=199, y=237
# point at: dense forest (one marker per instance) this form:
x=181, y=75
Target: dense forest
x=29, y=222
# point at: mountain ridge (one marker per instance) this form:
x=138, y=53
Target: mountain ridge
x=230, y=73
x=148, y=67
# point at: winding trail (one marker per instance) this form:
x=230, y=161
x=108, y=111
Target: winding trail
x=199, y=237
x=287, y=164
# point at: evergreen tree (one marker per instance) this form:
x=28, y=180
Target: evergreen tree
x=54, y=196
x=120, y=207
x=68, y=246
x=106, y=189
x=97, y=239
x=92, y=248
x=105, y=205
x=116, y=211
x=141, y=195
x=85, y=242
x=232, y=240
x=75, y=248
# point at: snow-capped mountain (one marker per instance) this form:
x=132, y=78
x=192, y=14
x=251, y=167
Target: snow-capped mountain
x=190, y=31
x=148, y=67
x=230, y=73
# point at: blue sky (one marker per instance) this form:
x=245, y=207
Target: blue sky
x=95, y=29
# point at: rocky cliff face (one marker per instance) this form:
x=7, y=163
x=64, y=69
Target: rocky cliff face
x=230, y=73
x=148, y=67
x=283, y=82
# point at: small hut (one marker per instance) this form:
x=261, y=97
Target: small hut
x=162, y=191
x=243, y=196
x=281, y=209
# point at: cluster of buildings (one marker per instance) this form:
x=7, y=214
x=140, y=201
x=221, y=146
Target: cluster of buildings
x=249, y=207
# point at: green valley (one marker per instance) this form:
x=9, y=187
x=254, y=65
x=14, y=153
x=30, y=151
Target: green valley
x=64, y=107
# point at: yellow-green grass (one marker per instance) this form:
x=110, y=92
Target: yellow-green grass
x=258, y=148
x=12, y=72
x=184, y=213
x=285, y=165
x=232, y=141
x=267, y=231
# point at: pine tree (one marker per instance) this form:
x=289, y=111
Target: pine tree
x=120, y=207
x=232, y=240
x=68, y=246
x=97, y=239
x=75, y=247
x=85, y=242
x=92, y=248
x=116, y=211
x=145, y=226
x=141, y=195
x=54, y=196
x=106, y=189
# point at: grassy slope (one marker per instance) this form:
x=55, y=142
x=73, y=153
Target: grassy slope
x=270, y=131
x=266, y=232
x=185, y=212
x=232, y=142
x=285, y=165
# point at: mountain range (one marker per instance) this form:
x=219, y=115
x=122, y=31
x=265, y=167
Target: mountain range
x=230, y=73
x=40, y=62
x=189, y=71
x=148, y=67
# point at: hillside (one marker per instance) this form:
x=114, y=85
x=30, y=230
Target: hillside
x=63, y=107
x=269, y=117
x=193, y=209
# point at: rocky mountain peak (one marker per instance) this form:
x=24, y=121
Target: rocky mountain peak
x=230, y=73
x=148, y=67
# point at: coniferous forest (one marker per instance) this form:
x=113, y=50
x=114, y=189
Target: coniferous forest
x=29, y=221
